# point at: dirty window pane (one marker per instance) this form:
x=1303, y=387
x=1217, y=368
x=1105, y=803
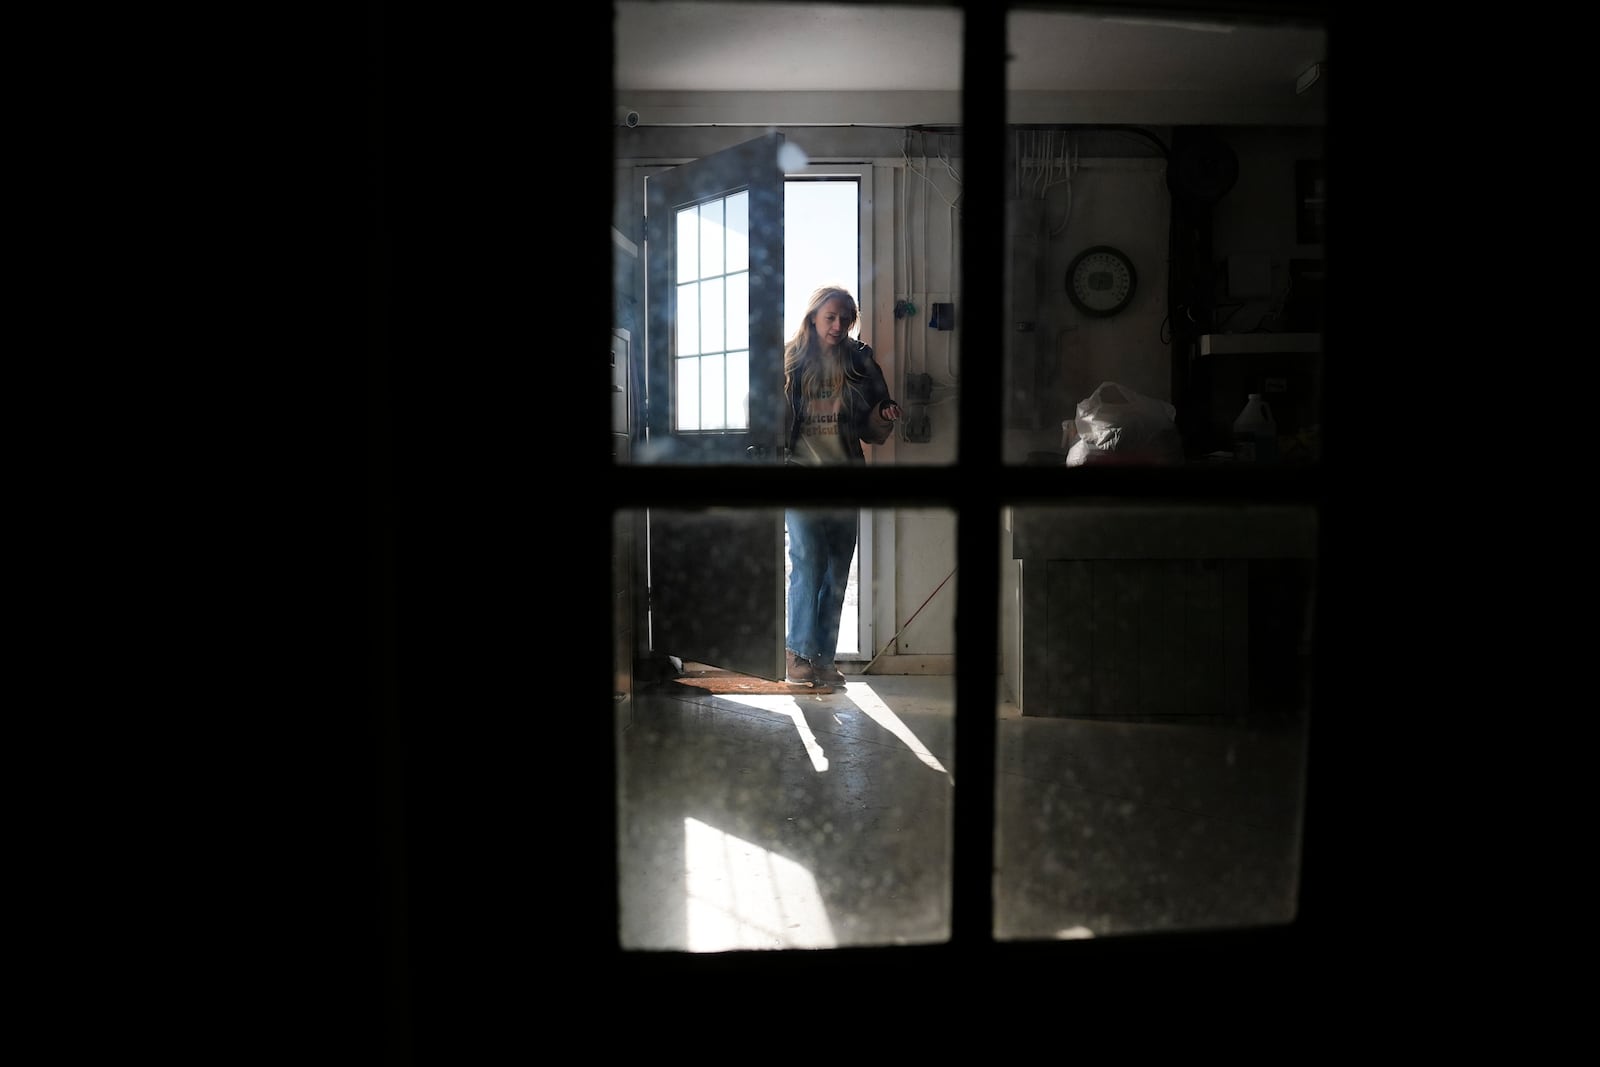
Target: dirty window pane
x=688, y=320
x=1155, y=698
x=721, y=399
x=696, y=84
x=688, y=371
x=757, y=813
x=713, y=328
x=688, y=258
x=1160, y=274
x=713, y=239
x=713, y=381
x=737, y=235
x=736, y=395
x=739, y=314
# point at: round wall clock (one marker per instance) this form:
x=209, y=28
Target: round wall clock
x=1101, y=281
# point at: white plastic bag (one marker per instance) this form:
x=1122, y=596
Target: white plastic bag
x=1118, y=425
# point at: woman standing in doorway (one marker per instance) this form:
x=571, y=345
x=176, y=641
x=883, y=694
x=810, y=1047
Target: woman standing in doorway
x=837, y=399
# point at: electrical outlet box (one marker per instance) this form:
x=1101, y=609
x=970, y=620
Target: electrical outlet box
x=918, y=428
x=919, y=387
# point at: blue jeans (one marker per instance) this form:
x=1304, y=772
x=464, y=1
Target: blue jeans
x=821, y=545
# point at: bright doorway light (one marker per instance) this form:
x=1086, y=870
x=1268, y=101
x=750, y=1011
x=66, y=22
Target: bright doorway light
x=821, y=242
x=822, y=246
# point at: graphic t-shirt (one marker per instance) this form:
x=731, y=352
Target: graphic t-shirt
x=819, y=442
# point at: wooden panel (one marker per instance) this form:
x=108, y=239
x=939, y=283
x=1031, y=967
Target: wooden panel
x=1164, y=531
x=1174, y=619
x=1145, y=611
x=1132, y=639
x=1236, y=636
x=1203, y=646
x=1034, y=635
x=717, y=588
x=1069, y=650
x=1115, y=628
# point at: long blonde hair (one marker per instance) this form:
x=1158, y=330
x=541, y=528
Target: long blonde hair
x=804, y=352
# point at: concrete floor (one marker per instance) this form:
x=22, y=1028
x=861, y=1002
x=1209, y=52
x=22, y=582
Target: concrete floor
x=825, y=821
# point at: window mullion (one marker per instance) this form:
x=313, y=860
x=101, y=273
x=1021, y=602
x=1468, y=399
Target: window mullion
x=978, y=458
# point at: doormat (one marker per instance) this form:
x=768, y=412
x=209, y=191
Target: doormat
x=727, y=683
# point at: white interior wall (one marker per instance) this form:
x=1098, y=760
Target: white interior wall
x=927, y=271
x=1119, y=202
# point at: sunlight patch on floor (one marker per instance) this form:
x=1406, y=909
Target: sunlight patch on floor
x=864, y=698
x=741, y=896
x=873, y=706
x=787, y=707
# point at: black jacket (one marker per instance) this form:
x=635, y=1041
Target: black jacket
x=865, y=392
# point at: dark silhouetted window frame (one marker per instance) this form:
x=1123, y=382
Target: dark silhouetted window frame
x=977, y=490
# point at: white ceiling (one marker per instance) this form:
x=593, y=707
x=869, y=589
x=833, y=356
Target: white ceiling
x=780, y=46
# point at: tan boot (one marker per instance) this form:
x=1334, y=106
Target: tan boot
x=799, y=671
x=828, y=674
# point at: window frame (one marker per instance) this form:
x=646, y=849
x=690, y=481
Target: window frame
x=498, y=838
x=978, y=489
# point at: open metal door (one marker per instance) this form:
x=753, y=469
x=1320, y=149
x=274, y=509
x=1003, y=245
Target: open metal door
x=714, y=287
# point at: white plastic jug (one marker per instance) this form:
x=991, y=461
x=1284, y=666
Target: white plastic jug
x=1255, y=433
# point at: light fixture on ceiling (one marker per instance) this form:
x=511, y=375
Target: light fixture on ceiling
x=1309, y=77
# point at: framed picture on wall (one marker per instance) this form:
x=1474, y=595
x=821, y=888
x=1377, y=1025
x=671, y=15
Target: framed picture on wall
x=1311, y=198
